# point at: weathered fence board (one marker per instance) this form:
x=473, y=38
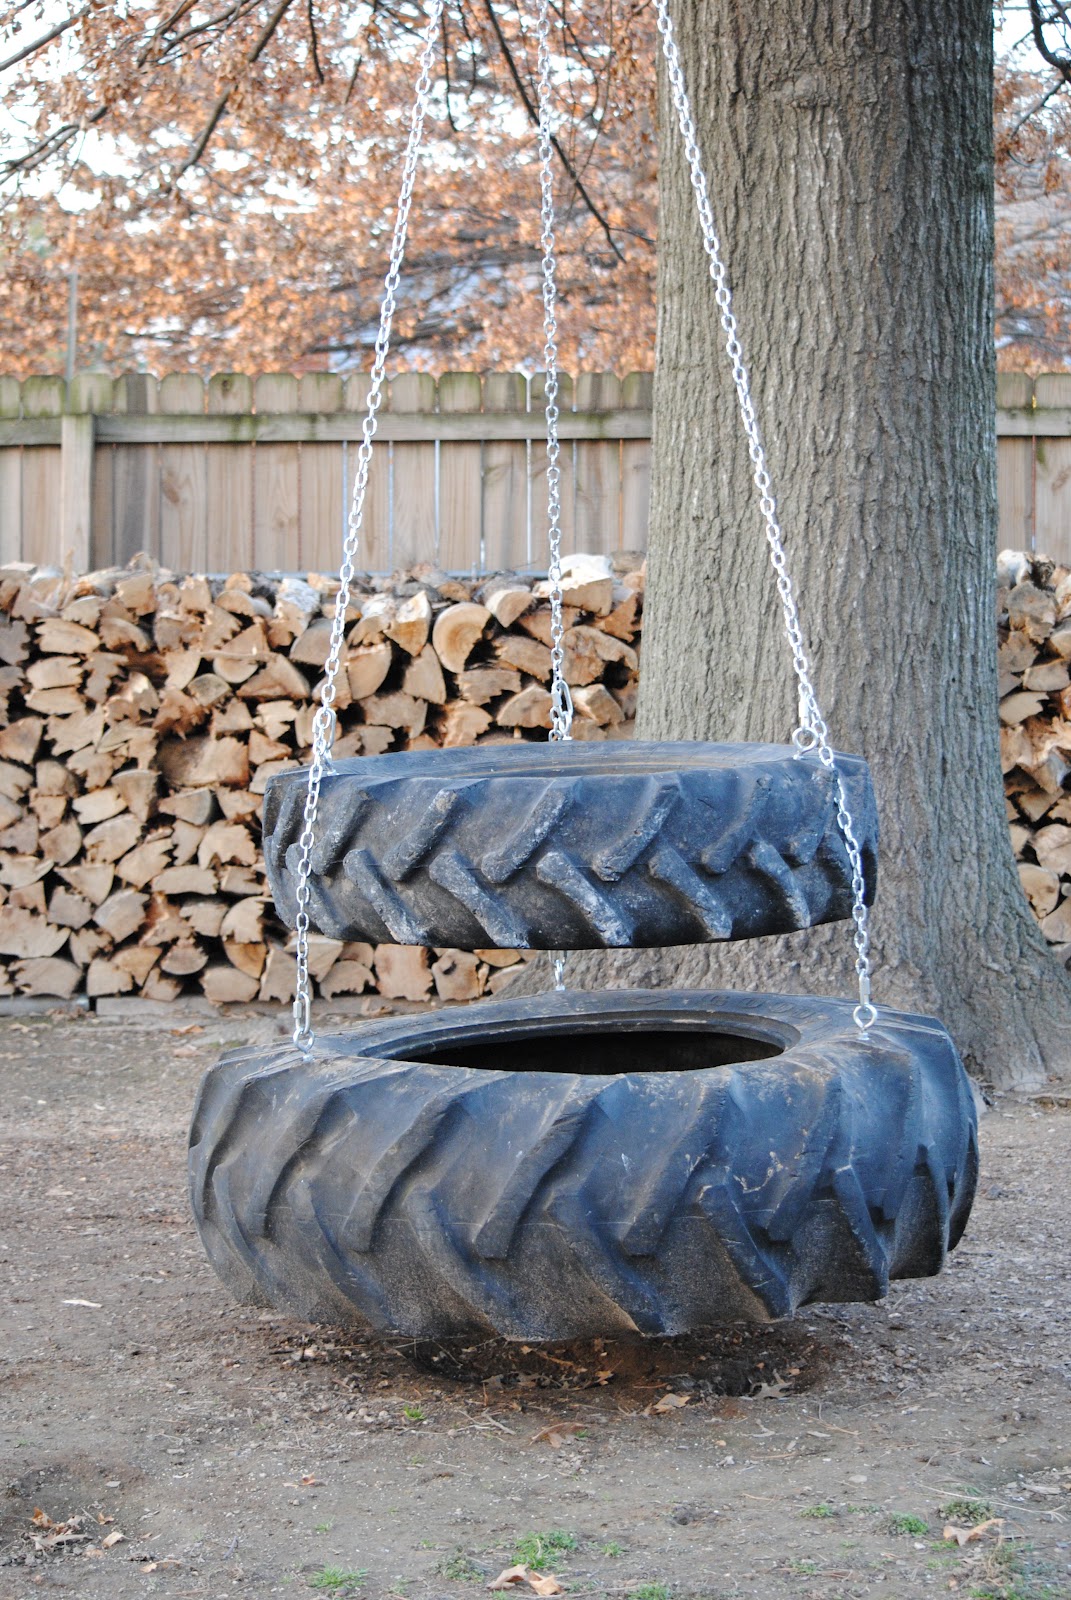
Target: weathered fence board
x=247, y=472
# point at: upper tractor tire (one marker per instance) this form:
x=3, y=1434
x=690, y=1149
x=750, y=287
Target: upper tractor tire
x=585, y=1164
x=572, y=846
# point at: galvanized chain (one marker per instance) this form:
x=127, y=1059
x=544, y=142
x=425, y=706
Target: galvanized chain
x=323, y=727
x=561, y=706
x=812, y=734
x=561, y=701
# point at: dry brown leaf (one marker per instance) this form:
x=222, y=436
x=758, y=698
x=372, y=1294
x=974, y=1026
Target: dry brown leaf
x=544, y=1584
x=668, y=1403
x=508, y=1577
x=191, y=1027
x=556, y=1434
x=115, y=1537
x=962, y=1536
x=772, y=1391
x=513, y=1577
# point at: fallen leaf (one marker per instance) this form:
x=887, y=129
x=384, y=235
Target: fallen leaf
x=772, y=1391
x=962, y=1536
x=191, y=1027
x=508, y=1577
x=513, y=1577
x=556, y=1434
x=94, y=1305
x=115, y=1537
x=668, y=1402
x=103, y=1520
x=544, y=1585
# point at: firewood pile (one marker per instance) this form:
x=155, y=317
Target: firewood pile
x=142, y=713
x=1034, y=663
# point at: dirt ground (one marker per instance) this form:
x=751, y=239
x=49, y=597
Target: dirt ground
x=241, y=1453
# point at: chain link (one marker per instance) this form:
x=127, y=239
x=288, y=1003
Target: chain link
x=324, y=722
x=561, y=701
x=812, y=733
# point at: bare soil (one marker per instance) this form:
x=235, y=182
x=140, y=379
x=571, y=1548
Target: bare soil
x=241, y=1452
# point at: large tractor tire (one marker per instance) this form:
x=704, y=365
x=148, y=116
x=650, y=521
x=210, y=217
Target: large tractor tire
x=584, y=1164
x=572, y=846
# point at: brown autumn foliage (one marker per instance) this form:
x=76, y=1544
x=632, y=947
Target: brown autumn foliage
x=223, y=175
x=253, y=150
x=1032, y=109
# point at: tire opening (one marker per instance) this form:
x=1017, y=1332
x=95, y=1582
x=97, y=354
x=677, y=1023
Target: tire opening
x=602, y=1052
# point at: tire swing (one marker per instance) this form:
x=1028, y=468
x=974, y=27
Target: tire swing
x=580, y=1164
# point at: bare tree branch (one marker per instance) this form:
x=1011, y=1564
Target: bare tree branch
x=45, y=39
x=221, y=103
x=530, y=107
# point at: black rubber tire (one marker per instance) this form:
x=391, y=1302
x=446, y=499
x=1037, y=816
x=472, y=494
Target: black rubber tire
x=371, y=1187
x=572, y=846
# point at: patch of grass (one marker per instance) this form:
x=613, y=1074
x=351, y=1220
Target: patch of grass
x=536, y=1548
x=613, y=1550
x=905, y=1523
x=323, y=1527
x=651, y=1591
x=806, y=1568
x=414, y=1413
x=336, y=1581
x=461, y=1568
x=819, y=1512
x=966, y=1508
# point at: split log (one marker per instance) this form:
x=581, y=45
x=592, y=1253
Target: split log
x=403, y=971
x=456, y=633
x=463, y=725
x=224, y=984
x=25, y=935
x=48, y=975
x=529, y=709
x=411, y=623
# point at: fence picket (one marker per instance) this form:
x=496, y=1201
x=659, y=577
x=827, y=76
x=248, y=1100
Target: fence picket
x=636, y=395
x=276, y=480
x=505, y=472
x=320, y=498
x=10, y=478
x=598, y=469
x=42, y=509
x=413, y=525
x=135, y=477
x=230, y=479
x=460, y=479
x=183, y=480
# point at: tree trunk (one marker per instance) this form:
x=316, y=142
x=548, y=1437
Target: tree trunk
x=848, y=144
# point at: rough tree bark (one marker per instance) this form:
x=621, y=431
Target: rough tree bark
x=849, y=148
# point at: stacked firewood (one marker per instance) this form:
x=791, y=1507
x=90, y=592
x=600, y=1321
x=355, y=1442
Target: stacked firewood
x=143, y=712
x=1034, y=661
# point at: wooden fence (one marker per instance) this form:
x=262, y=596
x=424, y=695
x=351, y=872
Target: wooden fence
x=255, y=473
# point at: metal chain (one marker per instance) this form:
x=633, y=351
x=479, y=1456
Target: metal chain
x=561, y=701
x=324, y=722
x=812, y=734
